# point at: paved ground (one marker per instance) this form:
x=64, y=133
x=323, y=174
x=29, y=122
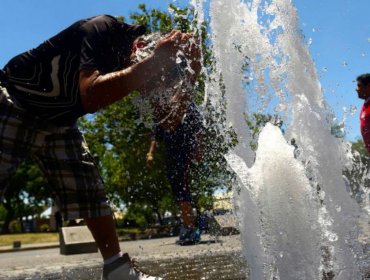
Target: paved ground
x=212, y=259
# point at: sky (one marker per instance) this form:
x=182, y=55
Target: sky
x=340, y=48
x=337, y=31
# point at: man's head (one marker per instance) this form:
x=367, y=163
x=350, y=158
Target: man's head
x=363, y=86
x=122, y=42
x=133, y=31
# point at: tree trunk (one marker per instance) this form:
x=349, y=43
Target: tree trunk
x=8, y=218
x=159, y=215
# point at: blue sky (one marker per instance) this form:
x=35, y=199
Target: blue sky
x=340, y=32
x=339, y=29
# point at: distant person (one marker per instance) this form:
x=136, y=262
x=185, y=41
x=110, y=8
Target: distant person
x=363, y=91
x=58, y=220
x=181, y=139
x=296, y=151
x=182, y=146
x=45, y=90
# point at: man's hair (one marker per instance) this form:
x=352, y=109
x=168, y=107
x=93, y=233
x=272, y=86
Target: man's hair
x=364, y=79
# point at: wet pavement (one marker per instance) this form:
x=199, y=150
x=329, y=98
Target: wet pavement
x=211, y=259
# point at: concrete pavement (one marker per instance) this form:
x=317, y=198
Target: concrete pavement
x=211, y=259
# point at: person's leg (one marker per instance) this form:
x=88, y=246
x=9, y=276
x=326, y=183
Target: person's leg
x=16, y=139
x=77, y=186
x=79, y=193
x=103, y=230
x=179, y=179
x=178, y=175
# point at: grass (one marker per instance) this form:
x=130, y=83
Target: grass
x=28, y=238
x=45, y=237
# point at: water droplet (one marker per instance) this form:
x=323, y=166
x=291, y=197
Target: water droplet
x=322, y=195
x=352, y=109
x=332, y=237
x=279, y=108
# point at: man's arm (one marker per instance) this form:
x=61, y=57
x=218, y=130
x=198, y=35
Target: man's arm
x=150, y=154
x=100, y=90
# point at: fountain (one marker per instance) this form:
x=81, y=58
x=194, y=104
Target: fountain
x=296, y=217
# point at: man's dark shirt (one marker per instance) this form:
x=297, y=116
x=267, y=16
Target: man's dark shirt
x=45, y=80
x=181, y=144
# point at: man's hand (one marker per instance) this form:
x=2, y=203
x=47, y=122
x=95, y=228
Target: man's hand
x=181, y=43
x=179, y=47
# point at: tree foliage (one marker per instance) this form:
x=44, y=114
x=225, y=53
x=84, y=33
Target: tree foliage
x=26, y=195
x=358, y=173
x=256, y=122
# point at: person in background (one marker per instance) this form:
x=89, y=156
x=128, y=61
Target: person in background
x=82, y=69
x=182, y=146
x=180, y=133
x=363, y=91
x=58, y=220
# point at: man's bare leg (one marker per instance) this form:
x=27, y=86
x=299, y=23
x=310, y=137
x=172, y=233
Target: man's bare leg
x=103, y=230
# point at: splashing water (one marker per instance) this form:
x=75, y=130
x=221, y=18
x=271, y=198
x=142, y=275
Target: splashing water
x=296, y=217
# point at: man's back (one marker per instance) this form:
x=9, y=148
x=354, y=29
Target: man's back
x=45, y=80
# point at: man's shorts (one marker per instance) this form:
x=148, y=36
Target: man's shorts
x=62, y=155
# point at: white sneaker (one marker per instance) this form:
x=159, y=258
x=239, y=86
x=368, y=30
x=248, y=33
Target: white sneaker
x=124, y=269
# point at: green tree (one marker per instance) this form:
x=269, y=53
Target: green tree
x=26, y=195
x=256, y=123
x=357, y=173
x=120, y=141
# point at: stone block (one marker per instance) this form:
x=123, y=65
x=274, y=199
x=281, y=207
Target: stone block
x=76, y=240
x=223, y=224
x=17, y=244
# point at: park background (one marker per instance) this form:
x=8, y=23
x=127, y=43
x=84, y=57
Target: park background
x=337, y=33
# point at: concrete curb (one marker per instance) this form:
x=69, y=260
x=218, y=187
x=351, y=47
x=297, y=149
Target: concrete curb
x=28, y=247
